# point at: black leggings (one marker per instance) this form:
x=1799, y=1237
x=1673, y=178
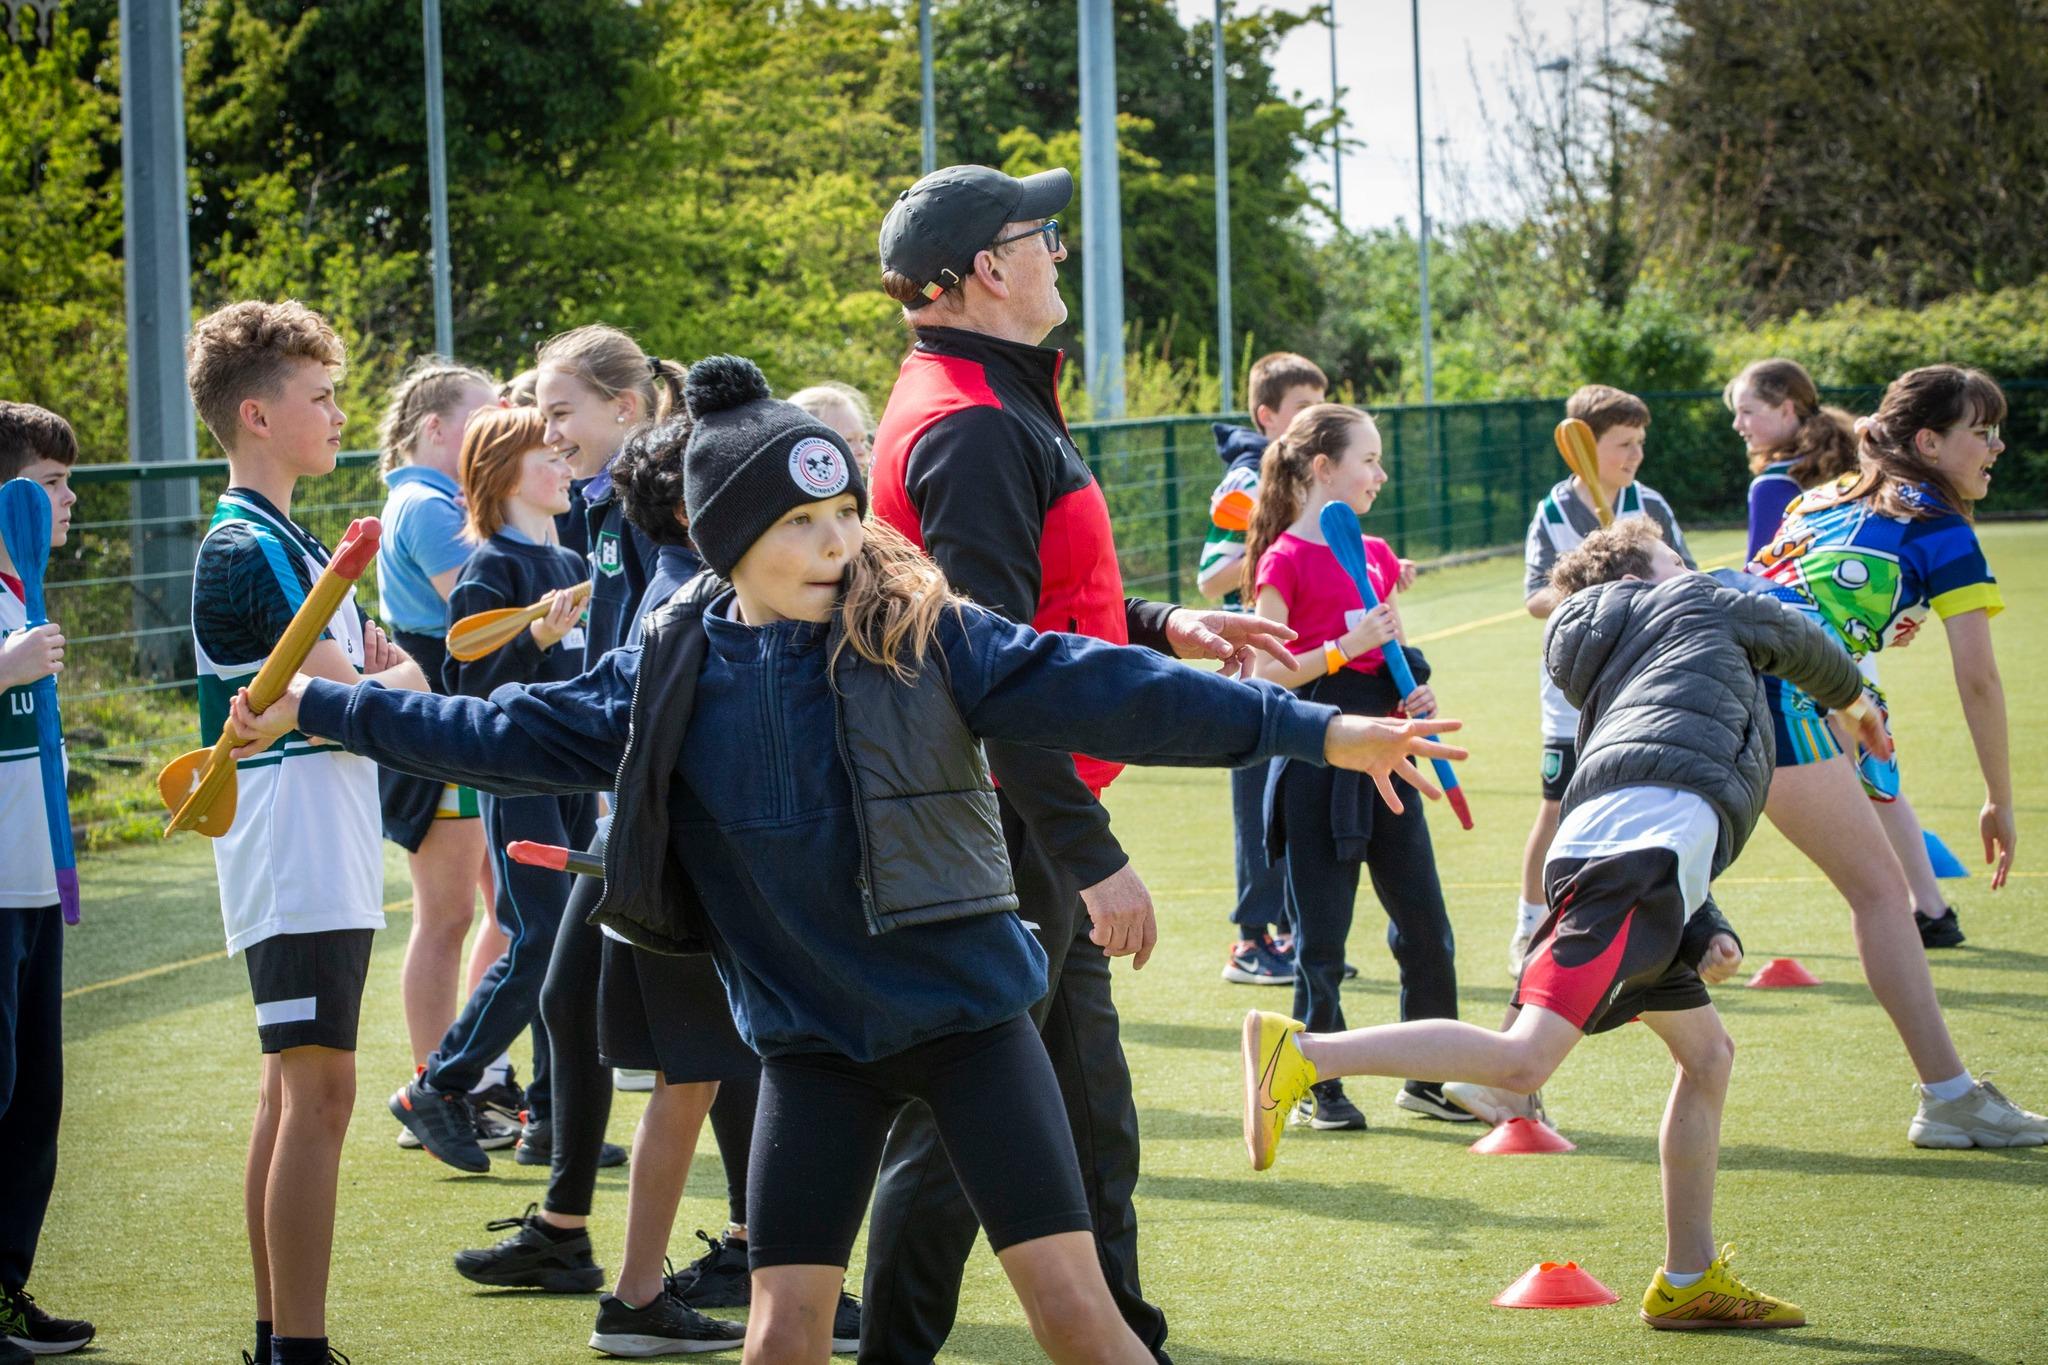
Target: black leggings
x=823, y=1119
x=732, y=1124
x=582, y=1084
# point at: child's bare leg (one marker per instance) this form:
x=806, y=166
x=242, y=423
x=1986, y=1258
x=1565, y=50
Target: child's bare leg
x=790, y=1322
x=444, y=877
x=256, y=1176
x=1902, y=829
x=1821, y=808
x=319, y=1089
x=1520, y=1059
x=1059, y=1282
x=490, y=942
x=662, y=1147
x=1689, y=1143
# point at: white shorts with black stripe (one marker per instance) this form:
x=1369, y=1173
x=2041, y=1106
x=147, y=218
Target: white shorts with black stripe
x=309, y=987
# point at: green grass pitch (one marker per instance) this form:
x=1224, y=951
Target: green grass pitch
x=1383, y=1246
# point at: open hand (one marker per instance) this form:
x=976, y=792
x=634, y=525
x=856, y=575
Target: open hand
x=1995, y=824
x=1120, y=910
x=29, y=656
x=1230, y=636
x=1382, y=749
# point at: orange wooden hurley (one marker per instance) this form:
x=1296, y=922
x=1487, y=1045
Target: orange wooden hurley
x=1233, y=511
x=199, y=787
x=1581, y=454
x=555, y=857
x=482, y=632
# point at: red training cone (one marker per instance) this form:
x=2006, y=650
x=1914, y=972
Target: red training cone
x=1521, y=1137
x=1783, y=971
x=1551, y=1285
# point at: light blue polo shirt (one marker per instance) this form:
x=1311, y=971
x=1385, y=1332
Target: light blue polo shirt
x=422, y=537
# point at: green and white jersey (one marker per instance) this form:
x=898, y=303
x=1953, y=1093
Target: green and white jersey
x=303, y=855
x=28, y=875
x=1562, y=520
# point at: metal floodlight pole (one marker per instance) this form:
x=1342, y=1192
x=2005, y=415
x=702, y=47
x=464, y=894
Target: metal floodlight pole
x=930, y=158
x=1337, y=127
x=1225, y=351
x=157, y=263
x=1102, y=241
x=437, y=179
x=1422, y=205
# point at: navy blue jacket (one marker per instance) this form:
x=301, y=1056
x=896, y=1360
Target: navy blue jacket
x=674, y=565
x=621, y=563
x=1239, y=447
x=762, y=816
x=509, y=572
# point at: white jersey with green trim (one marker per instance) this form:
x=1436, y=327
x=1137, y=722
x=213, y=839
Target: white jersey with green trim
x=28, y=874
x=304, y=854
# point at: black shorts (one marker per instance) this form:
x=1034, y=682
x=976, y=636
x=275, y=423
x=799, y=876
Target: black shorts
x=822, y=1118
x=1560, y=761
x=657, y=1012
x=309, y=987
x=1609, y=950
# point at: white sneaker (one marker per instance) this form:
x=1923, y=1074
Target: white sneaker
x=638, y=1081
x=1496, y=1106
x=1982, y=1118
x=1518, y=950
x=406, y=1141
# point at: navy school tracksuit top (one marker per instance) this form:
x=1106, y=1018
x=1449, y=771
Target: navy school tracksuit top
x=763, y=819
x=509, y=570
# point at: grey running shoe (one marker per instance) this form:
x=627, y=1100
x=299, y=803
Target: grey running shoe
x=665, y=1327
x=443, y=1123
x=1982, y=1118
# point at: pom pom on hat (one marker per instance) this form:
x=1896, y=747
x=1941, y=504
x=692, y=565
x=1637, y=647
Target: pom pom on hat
x=720, y=382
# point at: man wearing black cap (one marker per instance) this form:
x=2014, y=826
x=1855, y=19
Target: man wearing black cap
x=974, y=464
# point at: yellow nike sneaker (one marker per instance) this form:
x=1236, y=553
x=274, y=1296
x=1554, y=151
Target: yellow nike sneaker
x=1276, y=1075
x=1716, y=1299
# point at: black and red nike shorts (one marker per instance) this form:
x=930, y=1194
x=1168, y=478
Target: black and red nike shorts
x=1609, y=950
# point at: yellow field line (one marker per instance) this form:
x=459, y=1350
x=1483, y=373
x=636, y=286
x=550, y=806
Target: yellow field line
x=1430, y=637
x=395, y=907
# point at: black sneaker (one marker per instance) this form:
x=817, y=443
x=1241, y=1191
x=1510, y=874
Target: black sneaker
x=444, y=1124
x=1427, y=1099
x=532, y=1259
x=666, y=1327
x=500, y=1114
x=846, y=1323
x=24, y=1325
x=1325, y=1107
x=537, y=1147
x=717, y=1279
x=1944, y=931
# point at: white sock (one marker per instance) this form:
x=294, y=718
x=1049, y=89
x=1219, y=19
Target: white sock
x=497, y=1073
x=1954, y=1088
x=1530, y=916
x=1685, y=1281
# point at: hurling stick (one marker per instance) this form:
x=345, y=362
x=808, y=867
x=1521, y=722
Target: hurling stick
x=1340, y=528
x=199, y=787
x=1233, y=511
x=1575, y=442
x=555, y=857
x=482, y=632
x=25, y=528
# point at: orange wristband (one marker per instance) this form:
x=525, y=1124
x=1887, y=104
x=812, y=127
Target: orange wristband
x=1334, y=657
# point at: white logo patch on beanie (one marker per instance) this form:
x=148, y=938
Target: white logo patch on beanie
x=819, y=467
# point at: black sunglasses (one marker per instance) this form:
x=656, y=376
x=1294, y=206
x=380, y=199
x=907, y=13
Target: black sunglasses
x=1050, y=227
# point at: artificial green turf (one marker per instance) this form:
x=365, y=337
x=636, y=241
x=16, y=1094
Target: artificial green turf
x=1383, y=1246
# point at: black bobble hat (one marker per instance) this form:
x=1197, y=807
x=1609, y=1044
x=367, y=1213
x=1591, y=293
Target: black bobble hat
x=751, y=459
x=938, y=226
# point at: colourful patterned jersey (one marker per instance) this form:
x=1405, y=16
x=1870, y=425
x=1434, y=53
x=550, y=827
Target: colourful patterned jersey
x=1872, y=577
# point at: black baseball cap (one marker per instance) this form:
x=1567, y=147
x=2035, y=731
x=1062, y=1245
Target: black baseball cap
x=935, y=228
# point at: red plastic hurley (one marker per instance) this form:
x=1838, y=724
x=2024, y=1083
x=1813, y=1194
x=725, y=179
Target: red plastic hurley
x=1522, y=1137
x=1783, y=971
x=1551, y=1285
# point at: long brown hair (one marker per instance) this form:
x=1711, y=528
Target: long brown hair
x=1823, y=449
x=1319, y=429
x=892, y=602
x=611, y=362
x=1931, y=398
x=430, y=387
x=493, y=447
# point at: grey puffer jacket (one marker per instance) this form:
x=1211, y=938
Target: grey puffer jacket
x=1666, y=679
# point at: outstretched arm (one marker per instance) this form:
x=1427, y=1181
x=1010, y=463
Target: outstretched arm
x=520, y=741
x=1786, y=642
x=1983, y=697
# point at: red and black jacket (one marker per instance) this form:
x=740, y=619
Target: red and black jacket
x=974, y=464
